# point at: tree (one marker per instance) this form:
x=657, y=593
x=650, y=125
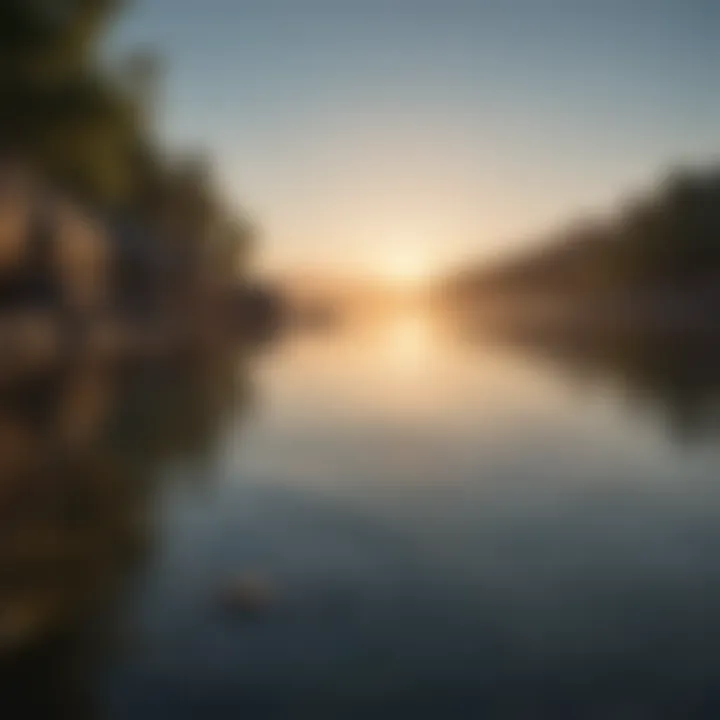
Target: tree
x=75, y=122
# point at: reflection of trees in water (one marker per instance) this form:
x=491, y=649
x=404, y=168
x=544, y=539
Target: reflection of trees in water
x=79, y=458
x=677, y=376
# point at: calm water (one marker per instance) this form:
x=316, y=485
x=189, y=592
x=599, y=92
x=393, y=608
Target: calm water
x=448, y=529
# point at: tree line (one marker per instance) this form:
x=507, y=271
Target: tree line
x=663, y=243
x=84, y=124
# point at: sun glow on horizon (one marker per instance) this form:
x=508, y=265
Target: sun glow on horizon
x=406, y=268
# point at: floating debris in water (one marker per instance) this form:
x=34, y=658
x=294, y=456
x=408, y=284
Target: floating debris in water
x=249, y=595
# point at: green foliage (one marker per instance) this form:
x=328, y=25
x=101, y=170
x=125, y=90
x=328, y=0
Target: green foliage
x=46, y=41
x=88, y=129
x=62, y=114
x=59, y=108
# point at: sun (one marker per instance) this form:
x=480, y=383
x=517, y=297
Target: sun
x=406, y=268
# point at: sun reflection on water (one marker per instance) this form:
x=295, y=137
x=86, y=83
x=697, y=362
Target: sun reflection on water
x=408, y=338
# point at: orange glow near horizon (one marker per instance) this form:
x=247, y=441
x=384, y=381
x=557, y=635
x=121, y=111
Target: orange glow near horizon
x=408, y=268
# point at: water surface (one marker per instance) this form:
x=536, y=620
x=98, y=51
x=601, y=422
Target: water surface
x=448, y=528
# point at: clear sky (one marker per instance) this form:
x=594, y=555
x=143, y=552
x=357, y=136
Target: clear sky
x=361, y=130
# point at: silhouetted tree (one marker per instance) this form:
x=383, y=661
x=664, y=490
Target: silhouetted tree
x=665, y=244
x=75, y=121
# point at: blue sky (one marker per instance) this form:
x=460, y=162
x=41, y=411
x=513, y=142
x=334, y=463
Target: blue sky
x=355, y=130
